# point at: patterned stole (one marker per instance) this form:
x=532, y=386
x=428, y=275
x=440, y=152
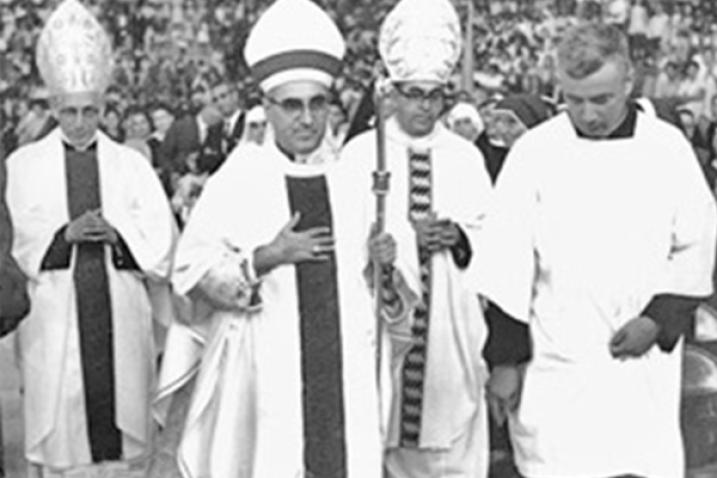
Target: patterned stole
x=414, y=366
x=321, y=359
x=94, y=311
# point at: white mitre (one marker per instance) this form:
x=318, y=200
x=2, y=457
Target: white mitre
x=421, y=40
x=294, y=40
x=74, y=54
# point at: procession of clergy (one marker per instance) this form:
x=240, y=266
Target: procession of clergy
x=304, y=339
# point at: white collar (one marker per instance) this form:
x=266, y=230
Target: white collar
x=316, y=163
x=232, y=120
x=396, y=133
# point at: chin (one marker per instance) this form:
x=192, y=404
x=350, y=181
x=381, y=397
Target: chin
x=306, y=147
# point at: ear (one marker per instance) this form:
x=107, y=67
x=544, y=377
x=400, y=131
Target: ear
x=629, y=80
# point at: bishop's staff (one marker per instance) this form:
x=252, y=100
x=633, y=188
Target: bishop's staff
x=380, y=189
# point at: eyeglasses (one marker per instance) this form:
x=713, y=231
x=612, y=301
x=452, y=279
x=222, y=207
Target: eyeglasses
x=418, y=95
x=295, y=106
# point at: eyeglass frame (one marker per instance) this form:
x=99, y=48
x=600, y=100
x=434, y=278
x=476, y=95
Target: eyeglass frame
x=297, y=110
x=433, y=97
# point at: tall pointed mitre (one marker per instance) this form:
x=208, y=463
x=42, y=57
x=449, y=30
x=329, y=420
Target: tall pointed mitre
x=74, y=54
x=420, y=40
x=294, y=40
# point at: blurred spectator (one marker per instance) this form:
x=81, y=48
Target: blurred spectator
x=138, y=127
x=112, y=123
x=506, y=121
x=162, y=117
x=37, y=121
x=464, y=120
x=338, y=124
x=688, y=122
x=693, y=89
x=226, y=98
x=658, y=28
x=255, y=131
x=638, y=27
x=668, y=82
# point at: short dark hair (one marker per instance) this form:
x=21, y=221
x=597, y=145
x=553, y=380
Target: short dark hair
x=161, y=105
x=134, y=110
x=585, y=48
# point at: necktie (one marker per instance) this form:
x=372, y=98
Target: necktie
x=414, y=365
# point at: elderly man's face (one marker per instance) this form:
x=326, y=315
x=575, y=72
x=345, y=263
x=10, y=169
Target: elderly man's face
x=418, y=105
x=597, y=103
x=298, y=112
x=78, y=115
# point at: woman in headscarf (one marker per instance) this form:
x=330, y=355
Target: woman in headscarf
x=508, y=120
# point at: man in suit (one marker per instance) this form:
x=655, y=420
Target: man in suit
x=226, y=98
x=188, y=139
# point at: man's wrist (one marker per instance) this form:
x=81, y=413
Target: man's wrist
x=266, y=258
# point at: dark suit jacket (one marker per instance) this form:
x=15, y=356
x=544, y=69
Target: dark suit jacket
x=181, y=140
x=218, y=145
x=213, y=151
x=231, y=140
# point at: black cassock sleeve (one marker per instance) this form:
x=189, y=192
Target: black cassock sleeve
x=508, y=339
x=462, y=251
x=674, y=314
x=122, y=257
x=59, y=254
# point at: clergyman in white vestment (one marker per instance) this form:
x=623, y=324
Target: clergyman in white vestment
x=597, y=250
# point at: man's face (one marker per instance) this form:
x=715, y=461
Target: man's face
x=298, y=112
x=137, y=126
x=226, y=99
x=671, y=72
x=78, y=115
x=598, y=103
x=687, y=121
x=418, y=104
x=162, y=120
x=336, y=117
x=200, y=98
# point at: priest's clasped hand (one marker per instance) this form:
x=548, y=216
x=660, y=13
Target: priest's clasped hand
x=90, y=227
x=634, y=338
x=436, y=234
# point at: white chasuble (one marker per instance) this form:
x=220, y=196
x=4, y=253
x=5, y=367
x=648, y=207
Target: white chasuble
x=134, y=203
x=245, y=419
x=452, y=401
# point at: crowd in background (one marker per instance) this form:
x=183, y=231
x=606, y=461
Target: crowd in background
x=169, y=52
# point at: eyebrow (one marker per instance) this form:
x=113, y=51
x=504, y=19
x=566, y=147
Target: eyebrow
x=602, y=96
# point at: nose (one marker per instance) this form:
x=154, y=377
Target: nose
x=77, y=120
x=305, y=116
x=590, y=113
